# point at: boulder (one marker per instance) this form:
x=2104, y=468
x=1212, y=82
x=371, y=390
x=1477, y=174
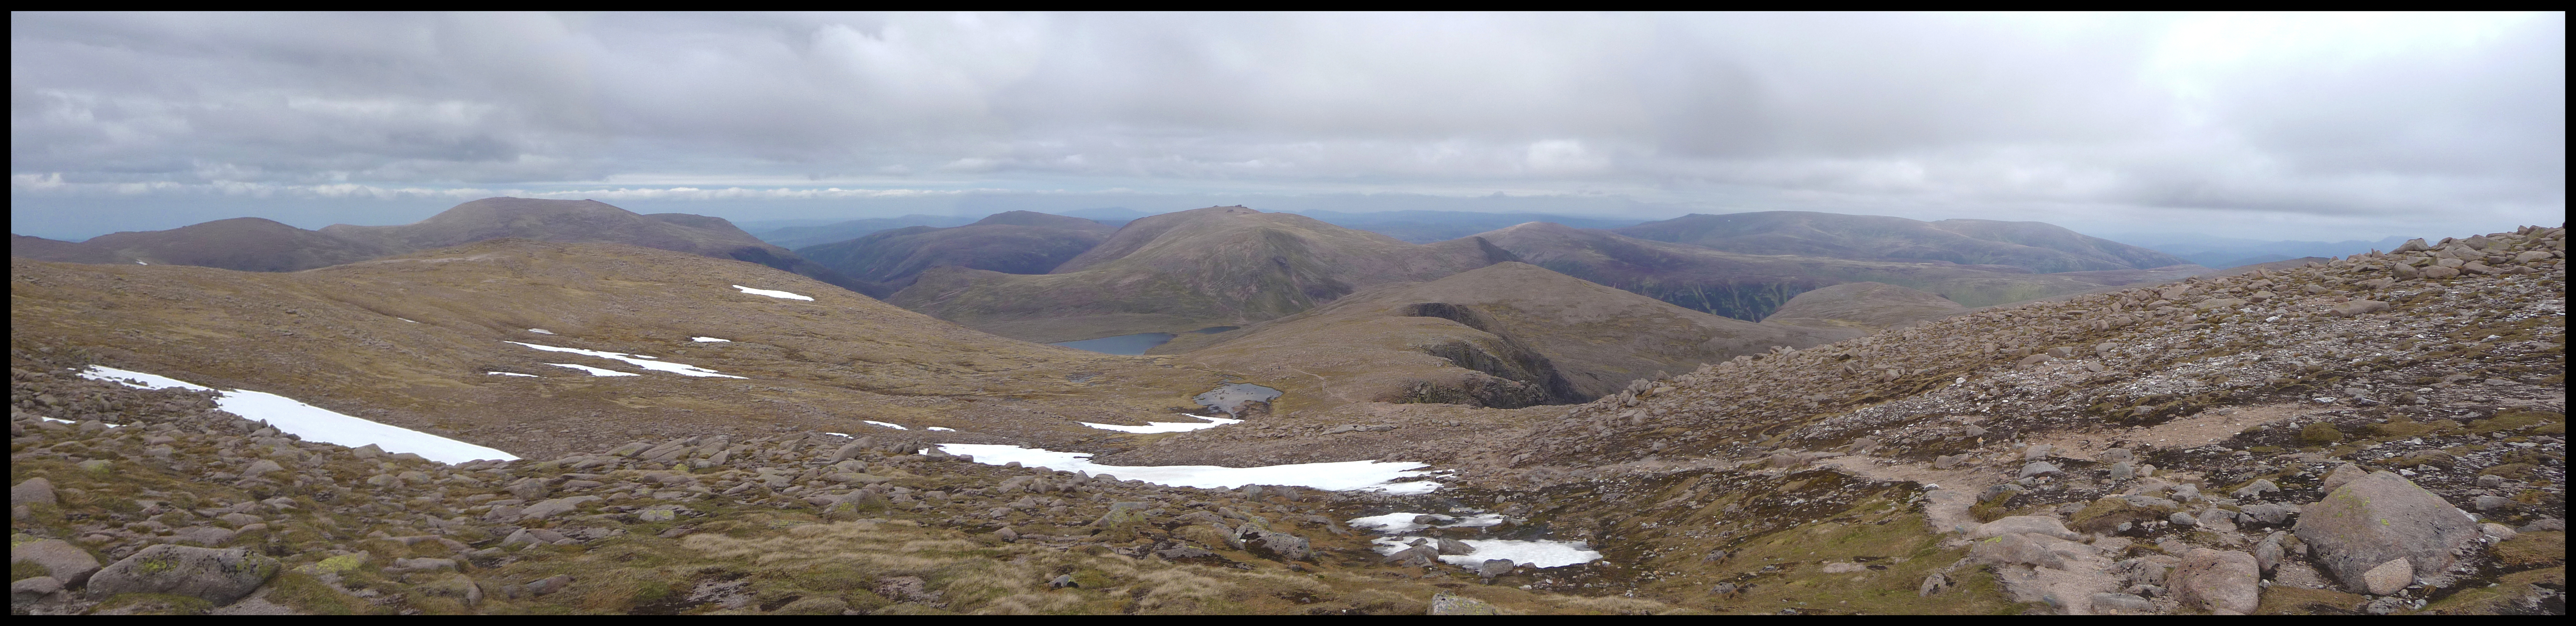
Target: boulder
x=2217, y=581
x=2029, y=549
x=2382, y=517
x=2120, y=603
x=62, y=560
x=1494, y=567
x=1445, y=603
x=557, y=506
x=2039, y=524
x=32, y=491
x=2390, y=577
x=216, y=576
x=2341, y=474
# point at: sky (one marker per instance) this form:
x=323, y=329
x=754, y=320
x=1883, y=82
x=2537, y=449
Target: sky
x=2257, y=126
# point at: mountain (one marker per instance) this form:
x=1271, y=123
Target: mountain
x=414, y=340
x=800, y=236
x=1505, y=335
x=1753, y=286
x=1435, y=226
x=1863, y=305
x=1016, y=242
x=585, y=221
x=2034, y=246
x=1178, y=272
x=248, y=244
x=42, y=249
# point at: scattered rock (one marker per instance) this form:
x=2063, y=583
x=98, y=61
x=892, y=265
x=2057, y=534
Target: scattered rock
x=216, y=576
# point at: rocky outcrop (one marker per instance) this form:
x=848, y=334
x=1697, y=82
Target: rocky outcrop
x=2377, y=520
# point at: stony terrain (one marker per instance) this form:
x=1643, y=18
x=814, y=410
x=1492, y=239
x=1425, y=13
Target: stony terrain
x=2377, y=434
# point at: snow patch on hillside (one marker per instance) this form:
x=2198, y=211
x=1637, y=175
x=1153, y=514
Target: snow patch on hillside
x=1342, y=476
x=310, y=422
x=774, y=293
x=1541, y=553
x=1167, y=427
x=886, y=424
x=638, y=360
x=595, y=371
x=710, y=340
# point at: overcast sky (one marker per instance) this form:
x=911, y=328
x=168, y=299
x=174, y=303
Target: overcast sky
x=2260, y=126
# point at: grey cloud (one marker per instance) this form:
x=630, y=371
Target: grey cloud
x=2301, y=115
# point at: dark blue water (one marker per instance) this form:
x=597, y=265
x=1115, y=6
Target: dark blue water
x=1122, y=344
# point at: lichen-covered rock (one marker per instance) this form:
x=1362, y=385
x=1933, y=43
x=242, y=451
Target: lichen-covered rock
x=217, y=576
x=65, y=562
x=2381, y=517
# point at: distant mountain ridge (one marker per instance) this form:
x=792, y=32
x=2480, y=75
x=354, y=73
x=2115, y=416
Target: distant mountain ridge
x=260, y=245
x=2039, y=247
x=1176, y=272
x=1014, y=242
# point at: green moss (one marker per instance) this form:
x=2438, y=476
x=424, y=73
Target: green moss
x=2533, y=548
x=2291, y=600
x=2512, y=419
x=2319, y=433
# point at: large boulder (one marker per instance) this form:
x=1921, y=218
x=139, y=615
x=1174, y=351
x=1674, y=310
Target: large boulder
x=62, y=560
x=2380, y=518
x=2224, y=582
x=216, y=576
x=2041, y=524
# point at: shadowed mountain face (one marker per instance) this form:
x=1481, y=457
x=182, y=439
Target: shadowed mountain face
x=248, y=244
x=1753, y=286
x=793, y=237
x=1178, y=272
x=1506, y=335
x=1017, y=242
x=2033, y=246
x=1864, y=305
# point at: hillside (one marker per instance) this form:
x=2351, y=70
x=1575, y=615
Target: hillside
x=248, y=244
x=1866, y=306
x=1506, y=335
x=793, y=237
x=1752, y=286
x=1015, y=242
x=585, y=221
x=2034, y=246
x=424, y=341
x=1178, y=272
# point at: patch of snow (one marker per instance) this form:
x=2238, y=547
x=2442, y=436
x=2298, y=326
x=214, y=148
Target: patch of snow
x=838, y=434
x=1400, y=521
x=51, y=419
x=710, y=340
x=1167, y=427
x=773, y=293
x=887, y=425
x=313, y=423
x=940, y=428
x=541, y=331
x=595, y=371
x=527, y=375
x=406, y=319
x=1542, y=553
x=637, y=360
x=1342, y=476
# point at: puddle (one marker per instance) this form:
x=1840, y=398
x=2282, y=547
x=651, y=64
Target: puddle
x=1229, y=398
x=1135, y=344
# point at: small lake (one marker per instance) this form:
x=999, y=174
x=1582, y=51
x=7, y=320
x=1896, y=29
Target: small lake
x=1122, y=344
x=1135, y=344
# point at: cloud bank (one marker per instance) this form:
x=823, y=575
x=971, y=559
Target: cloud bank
x=2395, y=120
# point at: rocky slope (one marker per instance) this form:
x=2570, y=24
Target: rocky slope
x=2034, y=246
x=1751, y=286
x=1016, y=242
x=1179, y=272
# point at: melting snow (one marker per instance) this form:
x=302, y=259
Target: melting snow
x=541, y=331
x=406, y=319
x=839, y=434
x=1343, y=476
x=710, y=340
x=1167, y=427
x=939, y=428
x=1540, y=553
x=527, y=375
x=773, y=293
x=1403, y=522
x=595, y=371
x=637, y=360
x=311, y=422
x=887, y=425
x=141, y=263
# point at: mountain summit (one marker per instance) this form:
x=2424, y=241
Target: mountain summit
x=2035, y=246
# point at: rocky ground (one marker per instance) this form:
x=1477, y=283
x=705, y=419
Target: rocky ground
x=2372, y=435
